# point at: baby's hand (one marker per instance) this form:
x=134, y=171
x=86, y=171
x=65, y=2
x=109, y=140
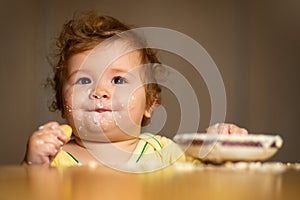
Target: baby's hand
x=45, y=143
x=224, y=128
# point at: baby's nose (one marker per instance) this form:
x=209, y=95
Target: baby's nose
x=99, y=94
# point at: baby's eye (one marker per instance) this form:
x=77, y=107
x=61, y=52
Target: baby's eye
x=118, y=80
x=83, y=81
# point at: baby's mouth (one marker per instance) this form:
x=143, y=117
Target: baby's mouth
x=102, y=110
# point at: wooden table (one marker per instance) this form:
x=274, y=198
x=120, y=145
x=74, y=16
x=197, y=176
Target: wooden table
x=175, y=182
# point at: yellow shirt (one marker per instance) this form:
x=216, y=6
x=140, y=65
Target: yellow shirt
x=152, y=151
x=155, y=151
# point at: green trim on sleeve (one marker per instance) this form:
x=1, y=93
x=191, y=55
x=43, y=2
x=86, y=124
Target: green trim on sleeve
x=143, y=150
x=157, y=142
x=73, y=157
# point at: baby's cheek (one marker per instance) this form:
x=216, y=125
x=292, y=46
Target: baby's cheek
x=136, y=109
x=76, y=98
x=69, y=103
x=67, y=95
x=131, y=102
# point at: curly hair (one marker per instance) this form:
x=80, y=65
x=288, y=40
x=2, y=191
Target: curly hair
x=84, y=32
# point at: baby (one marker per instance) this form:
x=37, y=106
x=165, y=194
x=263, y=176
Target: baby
x=105, y=88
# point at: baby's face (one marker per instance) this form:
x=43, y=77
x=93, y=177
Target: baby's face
x=104, y=102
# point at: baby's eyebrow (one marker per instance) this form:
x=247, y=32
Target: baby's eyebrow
x=75, y=72
x=78, y=70
x=123, y=71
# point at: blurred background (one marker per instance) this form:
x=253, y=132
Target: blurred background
x=254, y=43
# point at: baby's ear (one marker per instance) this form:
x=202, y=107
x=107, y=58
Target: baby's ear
x=149, y=109
x=148, y=112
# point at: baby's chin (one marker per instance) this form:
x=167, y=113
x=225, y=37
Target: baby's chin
x=103, y=137
x=103, y=127
x=105, y=132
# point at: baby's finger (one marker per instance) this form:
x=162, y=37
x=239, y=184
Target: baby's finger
x=212, y=129
x=49, y=135
x=51, y=139
x=234, y=129
x=237, y=130
x=54, y=129
x=49, y=126
x=223, y=128
x=44, y=151
x=48, y=150
x=244, y=131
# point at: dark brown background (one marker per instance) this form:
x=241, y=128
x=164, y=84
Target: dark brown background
x=255, y=44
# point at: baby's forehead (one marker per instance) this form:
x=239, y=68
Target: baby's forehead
x=100, y=63
x=116, y=53
x=133, y=57
x=118, y=47
x=129, y=62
